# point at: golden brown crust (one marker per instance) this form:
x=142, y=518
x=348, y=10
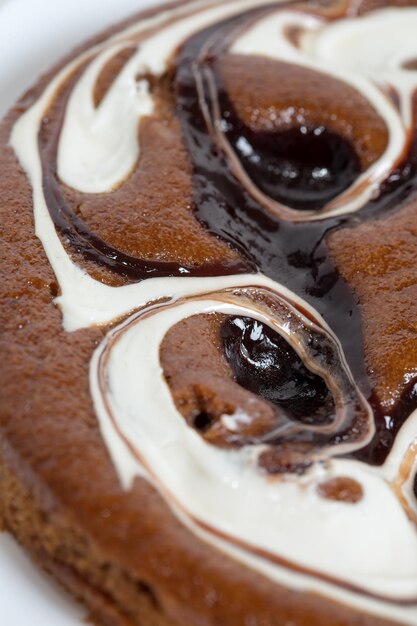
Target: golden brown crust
x=378, y=260
x=125, y=554
x=60, y=550
x=221, y=590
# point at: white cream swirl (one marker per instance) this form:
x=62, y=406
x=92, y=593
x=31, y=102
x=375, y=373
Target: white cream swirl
x=224, y=495
x=223, y=489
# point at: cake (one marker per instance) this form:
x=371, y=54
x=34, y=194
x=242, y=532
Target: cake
x=208, y=312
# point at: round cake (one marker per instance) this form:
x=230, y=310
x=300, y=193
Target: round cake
x=209, y=316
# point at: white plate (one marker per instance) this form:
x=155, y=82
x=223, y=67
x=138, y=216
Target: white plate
x=33, y=35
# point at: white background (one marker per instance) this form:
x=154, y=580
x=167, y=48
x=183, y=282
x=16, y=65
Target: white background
x=34, y=34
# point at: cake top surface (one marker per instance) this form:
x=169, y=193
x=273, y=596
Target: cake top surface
x=225, y=193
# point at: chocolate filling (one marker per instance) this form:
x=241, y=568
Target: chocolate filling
x=304, y=168
x=263, y=362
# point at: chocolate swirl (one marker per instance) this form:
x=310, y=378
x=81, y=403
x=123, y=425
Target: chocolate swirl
x=275, y=196
x=270, y=184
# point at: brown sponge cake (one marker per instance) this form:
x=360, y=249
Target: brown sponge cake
x=208, y=317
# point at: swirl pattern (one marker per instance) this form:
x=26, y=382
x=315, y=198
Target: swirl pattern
x=292, y=125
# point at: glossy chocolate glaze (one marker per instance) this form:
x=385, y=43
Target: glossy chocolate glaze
x=304, y=167
x=263, y=362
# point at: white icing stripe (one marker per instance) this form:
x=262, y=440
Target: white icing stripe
x=375, y=46
x=223, y=489
x=99, y=147
x=108, y=158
